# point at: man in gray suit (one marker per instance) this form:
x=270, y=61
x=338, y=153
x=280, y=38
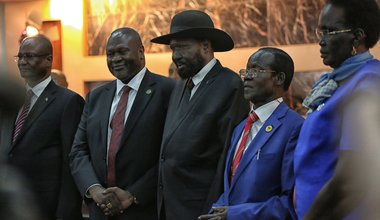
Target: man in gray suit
x=203, y=109
x=115, y=151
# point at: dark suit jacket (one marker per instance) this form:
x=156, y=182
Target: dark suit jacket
x=42, y=148
x=137, y=158
x=194, y=141
x=263, y=182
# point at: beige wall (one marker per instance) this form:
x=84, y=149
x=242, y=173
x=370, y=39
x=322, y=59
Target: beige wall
x=79, y=68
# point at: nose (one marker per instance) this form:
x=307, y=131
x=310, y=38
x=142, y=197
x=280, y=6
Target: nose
x=176, y=55
x=22, y=61
x=322, y=41
x=116, y=57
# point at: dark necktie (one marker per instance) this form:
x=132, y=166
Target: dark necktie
x=189, y=87
x=117, y=125
x=186, y=97
x=239, y=154
x=23, y=115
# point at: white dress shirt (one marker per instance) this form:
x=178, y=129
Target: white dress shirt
x=263, y=113
x=197, y=78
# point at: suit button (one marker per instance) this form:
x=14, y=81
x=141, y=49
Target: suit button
x=162, y=158
x=161, y=186
x=10, y=155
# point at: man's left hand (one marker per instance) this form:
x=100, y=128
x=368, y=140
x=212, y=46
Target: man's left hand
x=219, y=213
x=125, y=197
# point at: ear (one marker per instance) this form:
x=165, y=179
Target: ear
x=206, y=45
x=359, y=37
x=279, y=79
x=49, y=58
x=141, y=52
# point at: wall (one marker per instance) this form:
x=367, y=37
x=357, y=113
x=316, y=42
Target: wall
x=16, y=14
x=79, y=68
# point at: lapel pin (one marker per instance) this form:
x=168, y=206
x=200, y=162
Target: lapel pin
x=268, y=128
x=46, y=99
x=149, y=91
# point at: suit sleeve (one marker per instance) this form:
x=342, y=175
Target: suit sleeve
x=80, y=159
x=278, y=206
x=233, y=113
x=70, y=201
x=145, y=188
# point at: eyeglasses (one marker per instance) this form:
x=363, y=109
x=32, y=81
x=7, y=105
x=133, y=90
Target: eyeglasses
x=28, y=56
x=323, y=33
x=254, y=73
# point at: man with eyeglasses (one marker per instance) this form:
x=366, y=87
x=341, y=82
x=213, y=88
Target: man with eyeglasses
x=37, y=138
x=258, y=177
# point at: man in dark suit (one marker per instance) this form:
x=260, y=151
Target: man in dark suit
x=37, y=138
x=258, y=177
x=115, y=166
x=204, y=108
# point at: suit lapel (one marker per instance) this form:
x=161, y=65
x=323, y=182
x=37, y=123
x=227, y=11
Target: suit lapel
x=143, y=96
x=203, y=87
x=46, y=98
x=230, y=157
x=6, y=133
x=260, y=140
x=106, y=97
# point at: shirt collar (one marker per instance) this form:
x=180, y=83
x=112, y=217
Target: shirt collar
x=265, y=111
x=203, y=72
x=135, y=82
x=39, y=88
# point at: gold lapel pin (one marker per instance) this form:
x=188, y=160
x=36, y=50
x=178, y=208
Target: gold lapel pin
x=149, y=91
x=269, y=128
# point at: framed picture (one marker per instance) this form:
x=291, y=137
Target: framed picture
x=251, y=23
x=91, y=85
x=299, y=88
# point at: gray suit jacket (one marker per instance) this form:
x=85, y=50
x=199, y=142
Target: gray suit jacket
x=194, y=143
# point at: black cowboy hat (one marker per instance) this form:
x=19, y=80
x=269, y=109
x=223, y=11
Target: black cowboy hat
x=196, y=24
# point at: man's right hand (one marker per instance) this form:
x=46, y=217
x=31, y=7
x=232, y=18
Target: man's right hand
x=109, y=203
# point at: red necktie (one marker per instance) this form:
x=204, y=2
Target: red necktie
x=23, y=115
x=117, y=125
x=239, y=154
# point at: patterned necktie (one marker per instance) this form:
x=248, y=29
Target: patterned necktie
x=239, y=154
x=117, y=125
x=23, y=115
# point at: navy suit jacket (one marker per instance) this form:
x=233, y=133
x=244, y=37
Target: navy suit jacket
x=137, y=156
x=42, y=148
x=264, y=178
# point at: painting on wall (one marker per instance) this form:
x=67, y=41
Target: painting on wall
x=251, y=23
x=299, y=88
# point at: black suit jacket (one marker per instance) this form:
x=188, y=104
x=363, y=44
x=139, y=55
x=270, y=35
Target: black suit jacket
x=42, y=148
x=191, y=165
x=137, y=158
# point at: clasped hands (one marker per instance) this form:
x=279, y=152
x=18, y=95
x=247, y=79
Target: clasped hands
x=112, y=201
x=217, y=213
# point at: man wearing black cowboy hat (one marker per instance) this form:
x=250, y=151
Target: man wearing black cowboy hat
x=203, y=109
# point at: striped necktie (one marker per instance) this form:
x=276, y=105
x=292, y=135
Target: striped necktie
x=23, y=115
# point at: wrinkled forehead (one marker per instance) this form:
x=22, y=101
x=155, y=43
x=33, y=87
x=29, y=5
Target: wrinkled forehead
x=34, y=45
x=261, y=59
x=332, y=16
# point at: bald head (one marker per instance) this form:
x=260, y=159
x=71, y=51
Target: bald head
x=127, y=32
x=35, y=59
x=125, y=54
x=42, y=43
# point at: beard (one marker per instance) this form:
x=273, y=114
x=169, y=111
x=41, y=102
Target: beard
x=192, y=67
